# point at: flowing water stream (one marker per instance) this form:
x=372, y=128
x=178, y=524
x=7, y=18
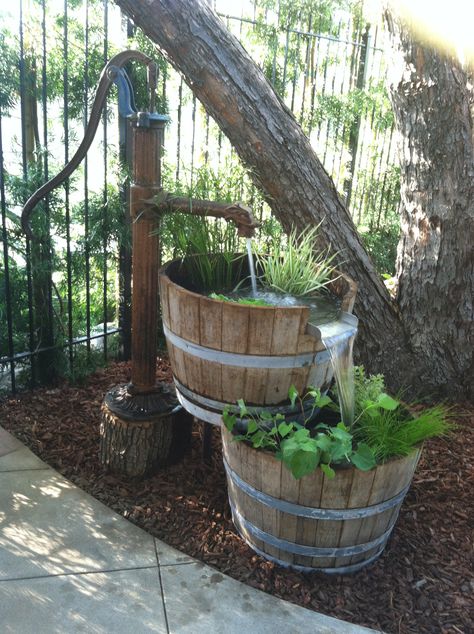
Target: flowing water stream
x=340, y=348
x=253, y=277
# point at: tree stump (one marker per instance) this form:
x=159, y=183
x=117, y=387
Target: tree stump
x=140, y=433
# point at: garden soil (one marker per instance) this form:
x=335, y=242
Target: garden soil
x=423, y=583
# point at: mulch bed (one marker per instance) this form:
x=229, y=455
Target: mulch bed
x=423, y=583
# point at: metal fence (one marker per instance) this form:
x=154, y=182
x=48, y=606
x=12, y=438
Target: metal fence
x=64, y=301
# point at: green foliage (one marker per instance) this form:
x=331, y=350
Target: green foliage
x=245, y=301
x=9, y=76
x=88, y=361
x=75, y=60
x=383, y=428
x=298, y=270
x=382, y=246
x=300, y=448
x=209, y=247
x=281, y=52
x=19, y=307
x=386, y=425
x=347, y=109
x=395, y=432
x=366, y=388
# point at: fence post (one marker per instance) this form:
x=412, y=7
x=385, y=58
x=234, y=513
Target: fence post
x=355, y=127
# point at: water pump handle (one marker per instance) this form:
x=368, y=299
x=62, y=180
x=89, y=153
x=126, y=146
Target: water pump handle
x=112, y=73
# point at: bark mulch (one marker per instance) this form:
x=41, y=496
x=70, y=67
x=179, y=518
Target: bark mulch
x=423, y=583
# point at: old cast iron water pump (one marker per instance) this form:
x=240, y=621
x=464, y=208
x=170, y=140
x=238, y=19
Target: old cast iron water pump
x=139, y=419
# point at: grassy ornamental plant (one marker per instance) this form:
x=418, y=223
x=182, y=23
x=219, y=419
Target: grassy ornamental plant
x=383, y=428
x=298, y=269
x=391, y=429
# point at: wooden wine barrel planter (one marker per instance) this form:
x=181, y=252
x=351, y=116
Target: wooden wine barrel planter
x=314, y=524
x=221, y=352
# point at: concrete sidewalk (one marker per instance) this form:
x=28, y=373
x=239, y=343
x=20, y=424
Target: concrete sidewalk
x=69, y=564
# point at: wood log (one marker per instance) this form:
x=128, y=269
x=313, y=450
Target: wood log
x=138, y=448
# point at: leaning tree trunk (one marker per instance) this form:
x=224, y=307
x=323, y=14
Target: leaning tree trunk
x=268, y=139
x=431, y=96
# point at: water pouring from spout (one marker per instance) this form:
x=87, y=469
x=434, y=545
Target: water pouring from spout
x=338, y=338
x=253, y=277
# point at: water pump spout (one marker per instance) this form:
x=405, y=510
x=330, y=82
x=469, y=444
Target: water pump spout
x=236, y=212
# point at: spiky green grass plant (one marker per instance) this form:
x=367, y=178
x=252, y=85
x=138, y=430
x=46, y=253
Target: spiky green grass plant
x=297, y=270
x=386, y=425
x=212, y=245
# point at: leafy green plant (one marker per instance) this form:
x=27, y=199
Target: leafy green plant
x=301, y=449
x=386, y=424
x=298, y=270
x=383, y=428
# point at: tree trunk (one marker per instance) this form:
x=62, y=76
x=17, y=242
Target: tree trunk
x=271, y=143
x=431, y=97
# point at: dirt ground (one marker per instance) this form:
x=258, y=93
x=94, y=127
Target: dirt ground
x=423, y=583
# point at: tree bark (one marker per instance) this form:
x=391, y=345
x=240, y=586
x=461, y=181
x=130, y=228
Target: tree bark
x=431, y=96
x=271, y=143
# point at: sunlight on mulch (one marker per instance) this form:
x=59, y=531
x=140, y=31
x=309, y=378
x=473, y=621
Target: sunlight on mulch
x=424, y=583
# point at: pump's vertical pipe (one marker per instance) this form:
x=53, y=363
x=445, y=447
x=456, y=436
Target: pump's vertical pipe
x=147, y=141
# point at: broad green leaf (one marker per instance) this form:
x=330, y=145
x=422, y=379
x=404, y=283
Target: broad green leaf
x=284, y=429
x=363, y=458
x=258, y=439
x=301, y=434
x=252, y=426
x=328, y=471
x=292, y=395
x=323, y=442
x=242, y=407
x=373, y=412
x=387, y=402
x=302, y=463
x=341, y=434
x=229, y=420
x=323, y=401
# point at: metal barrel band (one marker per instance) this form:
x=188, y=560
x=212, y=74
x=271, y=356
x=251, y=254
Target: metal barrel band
x=246, y=360
x=218, y=406
x=340, y=570
x=214, y=418
x=308, y=551
x=308, y=511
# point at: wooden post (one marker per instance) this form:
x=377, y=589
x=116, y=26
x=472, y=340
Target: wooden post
x=142, y=425
x=147, y=141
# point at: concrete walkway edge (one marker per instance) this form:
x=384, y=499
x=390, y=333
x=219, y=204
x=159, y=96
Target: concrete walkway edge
x=70, y=564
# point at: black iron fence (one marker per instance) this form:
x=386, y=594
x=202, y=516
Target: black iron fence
x=63, y=299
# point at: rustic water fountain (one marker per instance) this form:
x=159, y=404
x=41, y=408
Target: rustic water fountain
x=221, y=352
